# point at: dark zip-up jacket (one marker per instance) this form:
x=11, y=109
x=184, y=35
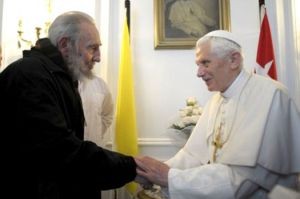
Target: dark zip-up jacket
x=41, y=127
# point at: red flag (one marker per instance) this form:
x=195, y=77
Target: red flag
x=265, y=54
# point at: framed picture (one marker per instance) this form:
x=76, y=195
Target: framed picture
x=180, y=23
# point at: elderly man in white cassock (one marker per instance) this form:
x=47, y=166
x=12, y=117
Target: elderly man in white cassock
x=246, y=141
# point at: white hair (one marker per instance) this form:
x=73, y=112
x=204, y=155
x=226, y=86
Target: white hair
x=68, y=25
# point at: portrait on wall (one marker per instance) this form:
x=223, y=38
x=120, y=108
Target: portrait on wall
x=180, y=23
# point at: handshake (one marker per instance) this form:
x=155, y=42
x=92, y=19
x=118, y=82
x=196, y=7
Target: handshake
x=151, y=171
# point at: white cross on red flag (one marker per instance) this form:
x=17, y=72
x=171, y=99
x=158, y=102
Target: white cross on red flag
x=265, y=54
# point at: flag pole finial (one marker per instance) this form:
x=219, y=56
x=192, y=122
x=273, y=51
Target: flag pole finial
x=261, y=2
x=127, y=6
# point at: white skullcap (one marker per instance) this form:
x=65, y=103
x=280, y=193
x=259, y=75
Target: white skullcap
x=224, y=34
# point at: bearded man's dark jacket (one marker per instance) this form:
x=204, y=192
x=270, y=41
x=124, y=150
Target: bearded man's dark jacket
x=42, y=123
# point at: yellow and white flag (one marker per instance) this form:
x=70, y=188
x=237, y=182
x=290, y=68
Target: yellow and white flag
x=126, y=129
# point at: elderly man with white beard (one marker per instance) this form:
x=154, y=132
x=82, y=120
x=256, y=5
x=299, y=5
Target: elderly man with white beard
x=42, y=122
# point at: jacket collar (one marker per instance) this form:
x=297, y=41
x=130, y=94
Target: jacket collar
x=45, y=47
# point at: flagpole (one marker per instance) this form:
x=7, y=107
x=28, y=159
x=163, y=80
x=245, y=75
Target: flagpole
x=261, y=2
x=127, y=6
x=262, y=10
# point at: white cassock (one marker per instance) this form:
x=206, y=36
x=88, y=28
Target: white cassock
x=261, y=144
x=280, y=192
x=98, y=112
x=97, y=106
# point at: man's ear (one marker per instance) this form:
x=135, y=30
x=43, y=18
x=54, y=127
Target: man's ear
x=235, y=60
x=62, y=46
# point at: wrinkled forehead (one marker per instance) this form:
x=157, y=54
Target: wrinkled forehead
x=90, y=34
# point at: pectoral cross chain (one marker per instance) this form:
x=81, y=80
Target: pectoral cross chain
x=217, y=143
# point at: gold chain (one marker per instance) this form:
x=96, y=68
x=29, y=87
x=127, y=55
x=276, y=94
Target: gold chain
x=217, y=142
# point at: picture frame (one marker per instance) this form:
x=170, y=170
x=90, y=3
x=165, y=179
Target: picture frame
x=177, y=27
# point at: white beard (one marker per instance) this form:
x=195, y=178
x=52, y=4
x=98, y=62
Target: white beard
x=77, y=66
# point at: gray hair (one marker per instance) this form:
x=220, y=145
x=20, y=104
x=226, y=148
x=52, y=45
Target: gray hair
x=220, y=46
x=68, y=25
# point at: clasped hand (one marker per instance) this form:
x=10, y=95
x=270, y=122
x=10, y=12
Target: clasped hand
x=151, y=171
